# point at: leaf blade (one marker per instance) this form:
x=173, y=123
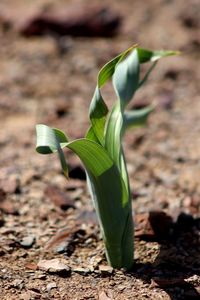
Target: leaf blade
x=112, y=204
x=50, y=140
x=111, y=200
x=136, y=118
x=98, y=109
x=146, y=55
x=126, y=77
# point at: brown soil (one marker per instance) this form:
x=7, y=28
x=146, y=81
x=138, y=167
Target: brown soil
x=42, y=216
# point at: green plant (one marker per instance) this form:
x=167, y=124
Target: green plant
x=102, y=153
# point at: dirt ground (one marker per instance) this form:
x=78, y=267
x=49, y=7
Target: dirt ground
x=50, y=245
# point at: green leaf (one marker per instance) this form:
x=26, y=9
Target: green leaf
x=93, y=155
x=112, y=206
x=163, y=53
x=52, y=140
x=146, y=55
x=90, y=135
x=113, y=134
x=125, y=81
x=98, y=108
x=113, y=141
x=98, y=113
x=136, y=118
x=111, y=201
x=108, y=69
x=108, y=190
x=126, y=77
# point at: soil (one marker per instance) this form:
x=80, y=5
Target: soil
x=50, y=245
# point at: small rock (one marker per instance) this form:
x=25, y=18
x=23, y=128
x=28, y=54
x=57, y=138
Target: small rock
x=54, y=266
x=58, y=197
x=152, y=226
x=65, y=240
x=64, y=247
x=121, y=287
x=105, y=269
x=161, y=224
x=112, y=283
x=103, y=296
x=27, y=242
x=41, y=276
x=142, y=225
x=81, y=270
x=31, y=266
x=17, y=283
x=51, y=285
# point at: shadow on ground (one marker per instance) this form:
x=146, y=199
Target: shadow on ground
x=178, y=259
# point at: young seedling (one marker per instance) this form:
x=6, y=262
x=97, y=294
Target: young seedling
x=102, y=153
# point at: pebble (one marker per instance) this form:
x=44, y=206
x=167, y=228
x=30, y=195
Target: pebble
x=105, y=269
x=103, y=296
x=27, y=242
x=54, y=266
x=41, y=276
x=17, y=282
x=50, y=286
x=81, y=270
x=58, y=197
x=121, y=287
